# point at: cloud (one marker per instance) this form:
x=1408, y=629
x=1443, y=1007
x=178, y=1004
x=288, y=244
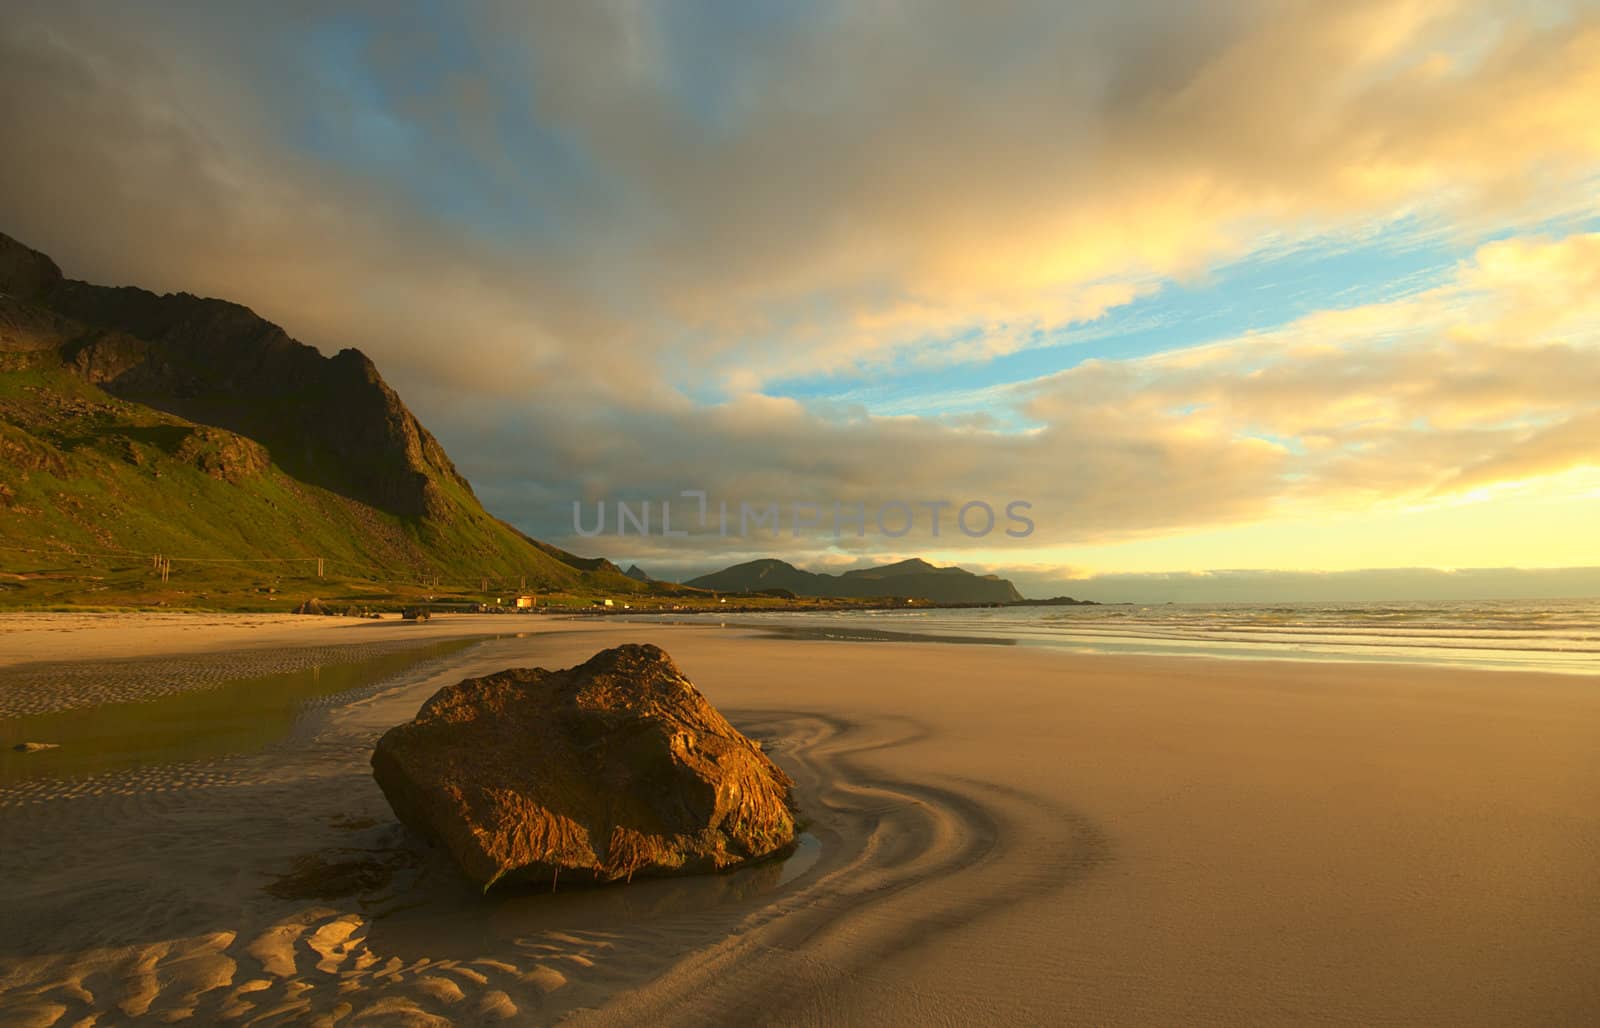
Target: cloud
x=146, y=164
x=1409, y=402
x=761, y=196
x=904, y=176
x=1379, y=584
x=583, y=238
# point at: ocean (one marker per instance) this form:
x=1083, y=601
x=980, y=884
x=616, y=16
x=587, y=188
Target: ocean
x=1519, y=635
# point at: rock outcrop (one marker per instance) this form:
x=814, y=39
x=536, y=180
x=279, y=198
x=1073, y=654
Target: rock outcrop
x=332, y=421
x=592, y=774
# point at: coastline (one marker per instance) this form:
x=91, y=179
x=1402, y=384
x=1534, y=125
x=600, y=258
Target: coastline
x=1554, y=636
x=999, y=833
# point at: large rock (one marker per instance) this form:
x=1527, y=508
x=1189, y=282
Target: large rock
x=596, y=773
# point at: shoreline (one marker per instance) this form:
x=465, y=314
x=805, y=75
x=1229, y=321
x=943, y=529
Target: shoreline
x=83, y=639
x=1002, y=833
x=1111, y=642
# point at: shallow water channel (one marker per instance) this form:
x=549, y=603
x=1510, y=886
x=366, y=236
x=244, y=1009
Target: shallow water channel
x=240, y=716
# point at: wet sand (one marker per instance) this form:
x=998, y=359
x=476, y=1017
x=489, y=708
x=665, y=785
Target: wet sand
x=60, y=661
x=996, y=835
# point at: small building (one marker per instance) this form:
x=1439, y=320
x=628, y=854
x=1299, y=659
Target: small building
x=526, y=602
x=604, y=603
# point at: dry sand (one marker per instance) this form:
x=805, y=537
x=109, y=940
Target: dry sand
x=997, y=835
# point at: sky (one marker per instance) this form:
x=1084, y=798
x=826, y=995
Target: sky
x=1295, y=294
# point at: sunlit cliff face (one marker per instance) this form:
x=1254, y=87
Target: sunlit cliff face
x=1224, y=285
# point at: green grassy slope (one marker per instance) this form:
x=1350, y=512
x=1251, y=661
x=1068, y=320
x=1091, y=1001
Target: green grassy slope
x=92, y=487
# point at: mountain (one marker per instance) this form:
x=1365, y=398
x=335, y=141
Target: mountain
x=638, y=574
x=138, y=424
x=914, y=578
x=767, y=573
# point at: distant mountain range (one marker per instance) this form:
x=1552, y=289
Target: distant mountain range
x=138, y=423
x=914, y=578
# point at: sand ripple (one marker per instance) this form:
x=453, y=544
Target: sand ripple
x=176, y=898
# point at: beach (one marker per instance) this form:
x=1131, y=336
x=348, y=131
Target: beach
x=992, y=835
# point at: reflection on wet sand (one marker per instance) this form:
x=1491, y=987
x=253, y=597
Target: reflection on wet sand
x=239, y=716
